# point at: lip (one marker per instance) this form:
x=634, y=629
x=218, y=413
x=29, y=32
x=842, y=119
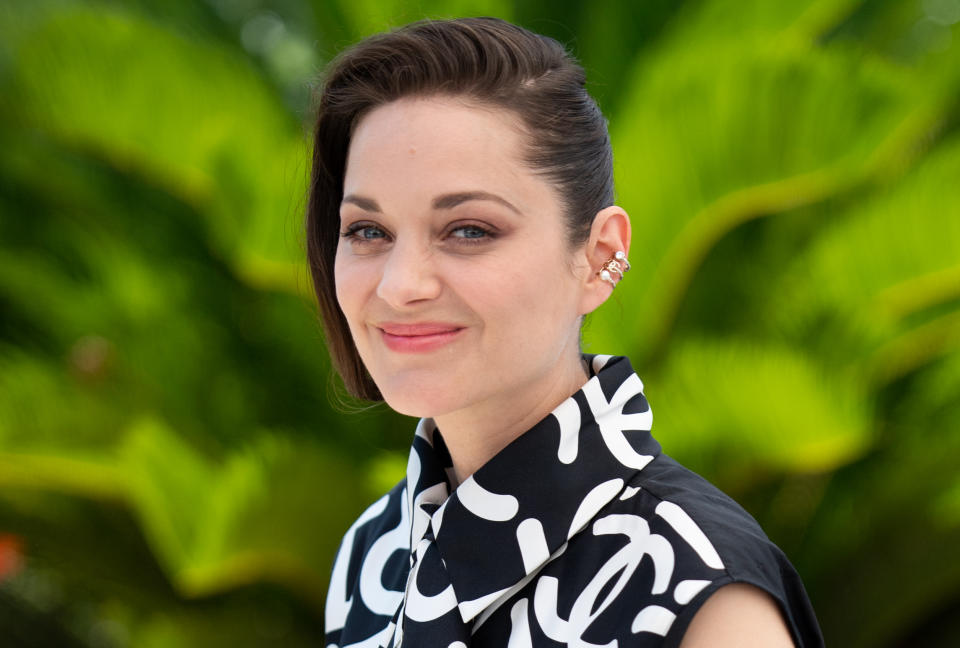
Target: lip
x=418, y=337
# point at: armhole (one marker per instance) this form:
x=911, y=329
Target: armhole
x=679, y=627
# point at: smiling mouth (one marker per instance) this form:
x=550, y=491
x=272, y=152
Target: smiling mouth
x=418, y=338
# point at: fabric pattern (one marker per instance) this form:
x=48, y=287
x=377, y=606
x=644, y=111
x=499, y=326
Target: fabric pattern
x=580, y=533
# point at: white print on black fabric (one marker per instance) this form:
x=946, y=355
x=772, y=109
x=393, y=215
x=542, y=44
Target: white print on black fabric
x=426, y=608
x=338, y=601
x=470, y=609
x=436, y=493
x=629, y=492
x=522, y=583
x=592, y=503
x=621, y=567
x=570, y=537
x=568, y=416
x=484, y=504
x=613, y=422
x=379, y=640
x=533, y=544
x=684, y=592
x=376, y=597
x=520, y=626
x=684, y=525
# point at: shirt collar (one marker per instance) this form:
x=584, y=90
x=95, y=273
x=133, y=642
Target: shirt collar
x=520, y=508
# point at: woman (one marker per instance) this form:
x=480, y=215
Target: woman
x=461, y=223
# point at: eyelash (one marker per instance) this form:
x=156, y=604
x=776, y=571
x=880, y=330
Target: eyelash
x=353, y=233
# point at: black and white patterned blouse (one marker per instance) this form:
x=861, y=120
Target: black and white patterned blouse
x=580, y=533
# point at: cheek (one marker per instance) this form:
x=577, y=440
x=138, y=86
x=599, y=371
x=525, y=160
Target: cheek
x=523, y=298
x=340, y=281
x=349, y=280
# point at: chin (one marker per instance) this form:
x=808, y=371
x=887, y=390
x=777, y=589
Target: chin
x=420, y=399
x=415, y=406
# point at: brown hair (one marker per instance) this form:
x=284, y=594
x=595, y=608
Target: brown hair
x=488, y=61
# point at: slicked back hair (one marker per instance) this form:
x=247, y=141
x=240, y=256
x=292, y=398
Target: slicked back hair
x=486, y=61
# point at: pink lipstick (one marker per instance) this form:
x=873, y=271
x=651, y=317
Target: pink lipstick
x=419, y=337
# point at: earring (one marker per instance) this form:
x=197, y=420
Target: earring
x=617, y=263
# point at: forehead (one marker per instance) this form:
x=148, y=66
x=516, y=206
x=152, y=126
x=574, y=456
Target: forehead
x=446, y=118
x=443, y=142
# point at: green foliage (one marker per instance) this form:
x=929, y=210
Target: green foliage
x=194, y=118
x=256, y=517
x=170, y=460
x=751, y=409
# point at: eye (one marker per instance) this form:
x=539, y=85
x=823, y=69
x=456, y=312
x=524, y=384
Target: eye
x=470, y=233
x=364, y=233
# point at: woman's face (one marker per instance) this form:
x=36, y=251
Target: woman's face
x=452, y=268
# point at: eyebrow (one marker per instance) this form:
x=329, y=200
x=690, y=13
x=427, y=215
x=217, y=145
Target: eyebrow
x=446, y=201
x=449, y=201
x=366, y=204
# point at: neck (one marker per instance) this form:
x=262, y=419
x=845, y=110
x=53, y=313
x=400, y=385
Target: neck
x=473, y=437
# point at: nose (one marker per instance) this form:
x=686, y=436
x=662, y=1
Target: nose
x=409, y=275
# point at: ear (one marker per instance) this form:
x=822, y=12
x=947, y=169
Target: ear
x=609, y=234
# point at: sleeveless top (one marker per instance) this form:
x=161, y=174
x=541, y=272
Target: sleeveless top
x=580, y=533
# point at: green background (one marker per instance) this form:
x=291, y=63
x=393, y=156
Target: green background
x=177, y=464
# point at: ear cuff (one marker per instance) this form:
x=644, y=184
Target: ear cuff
x=613, y=268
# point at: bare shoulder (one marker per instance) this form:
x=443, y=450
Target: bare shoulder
x=738, y=615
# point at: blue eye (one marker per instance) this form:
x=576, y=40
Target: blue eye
x=371, y=233
x=361, y=232
x=470, y=232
